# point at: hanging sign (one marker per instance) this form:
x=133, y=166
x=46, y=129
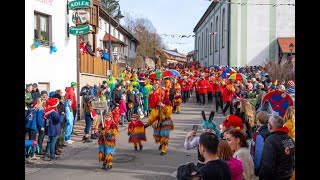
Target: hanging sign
x=80, y=17
x=78, y=30
x=77, y=4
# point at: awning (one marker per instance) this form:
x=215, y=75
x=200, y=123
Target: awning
x=113, y=39
x=284, y=44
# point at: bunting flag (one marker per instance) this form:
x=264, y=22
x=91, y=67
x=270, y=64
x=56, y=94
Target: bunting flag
x=180, y=36
x=256, y=4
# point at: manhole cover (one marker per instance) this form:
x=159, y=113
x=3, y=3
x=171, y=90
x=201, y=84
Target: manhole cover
x=122, y=158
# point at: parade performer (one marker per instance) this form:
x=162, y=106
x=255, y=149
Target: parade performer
x=177, y=101
x=160, y=117
x=136, y=132
x=227, y=93
x=111, y=83
x=107, y=141
x=146, y=90
x=136, y=83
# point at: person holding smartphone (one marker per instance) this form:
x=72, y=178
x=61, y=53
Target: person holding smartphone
x=192, y=140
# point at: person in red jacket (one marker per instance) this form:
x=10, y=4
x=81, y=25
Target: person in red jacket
x=72, y=96
x=210, y=90
x=185, y=87
x=196, y=87
x=227, y=94
x=202, y=84
x=217, y=94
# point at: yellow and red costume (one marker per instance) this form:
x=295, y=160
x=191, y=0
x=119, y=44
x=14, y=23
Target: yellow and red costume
x=160, y=117
x=107, y=140
x=136, y=132
x=177, y=101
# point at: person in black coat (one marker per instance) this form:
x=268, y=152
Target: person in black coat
x=277, y=160
x=89, y=49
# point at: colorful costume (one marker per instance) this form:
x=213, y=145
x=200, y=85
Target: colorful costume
x=111, y=83
x=161, y=123
x=146, y=90
x=107, y=140
x=136, y=132
x=135, y=82
x=177, y=101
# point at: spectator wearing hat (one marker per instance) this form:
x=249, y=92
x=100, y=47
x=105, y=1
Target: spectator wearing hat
x=70, y=94
x=238, y=143
x=52, y=127
x=35, y=92
x=28, y=95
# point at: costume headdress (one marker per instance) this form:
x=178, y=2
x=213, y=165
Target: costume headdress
x=209, y=124
x=233, y=121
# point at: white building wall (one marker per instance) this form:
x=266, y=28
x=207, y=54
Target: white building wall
x=258, y=28
x=259, y=43
x=219, y=57
x=58, y=68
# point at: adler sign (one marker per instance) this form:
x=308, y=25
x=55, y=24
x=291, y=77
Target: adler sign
x=77, y=4
x=80, y=17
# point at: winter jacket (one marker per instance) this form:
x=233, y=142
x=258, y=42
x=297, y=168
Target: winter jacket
x=116, y=96
x=123, y=106
x=291, y=128
x=28, y=98
x=245, y=157
x=53, y=124
x=105, y=56
x=236, y=168
x=210, y=86
x=89, y=49
x=35, y=94
x=72, y=96
x=277, y=160
x=202, y=86
x=34, y=120
x=227, y=95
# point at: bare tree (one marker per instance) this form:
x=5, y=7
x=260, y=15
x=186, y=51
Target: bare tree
x=281, y=72
x=109, y=7
x=143, y=29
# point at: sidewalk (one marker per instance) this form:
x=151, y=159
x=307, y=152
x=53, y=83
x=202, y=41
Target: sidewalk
x=69, y=150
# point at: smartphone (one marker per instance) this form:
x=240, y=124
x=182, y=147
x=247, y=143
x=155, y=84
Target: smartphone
x=195, y=127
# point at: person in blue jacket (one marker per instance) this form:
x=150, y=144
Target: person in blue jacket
x=52, y=127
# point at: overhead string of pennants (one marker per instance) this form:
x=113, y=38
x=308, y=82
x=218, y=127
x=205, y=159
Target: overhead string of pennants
x=177, y=43
x=257, y=4
x=180, y=36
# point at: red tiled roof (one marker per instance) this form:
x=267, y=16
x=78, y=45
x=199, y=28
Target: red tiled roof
x=113, y=39
x=284, y=44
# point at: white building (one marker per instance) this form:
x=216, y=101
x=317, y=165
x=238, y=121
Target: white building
x=47, y=20
x=237, y=35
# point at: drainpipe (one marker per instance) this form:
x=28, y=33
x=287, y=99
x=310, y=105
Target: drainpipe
x=229, y=32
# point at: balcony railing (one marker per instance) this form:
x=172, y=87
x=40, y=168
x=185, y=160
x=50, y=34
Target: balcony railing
x=96, y=66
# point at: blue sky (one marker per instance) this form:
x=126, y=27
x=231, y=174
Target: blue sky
x=178, y=17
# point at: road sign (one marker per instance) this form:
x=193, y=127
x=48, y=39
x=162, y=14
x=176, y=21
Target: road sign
x=279, y=101
x=99, y=104
x=78, y=30
x=79, y=4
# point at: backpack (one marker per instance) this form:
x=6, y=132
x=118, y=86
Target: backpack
x=186, y=171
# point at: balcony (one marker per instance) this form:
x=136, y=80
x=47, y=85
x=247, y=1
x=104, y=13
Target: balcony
x=96, y=66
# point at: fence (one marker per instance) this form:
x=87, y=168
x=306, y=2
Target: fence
x=97, y=66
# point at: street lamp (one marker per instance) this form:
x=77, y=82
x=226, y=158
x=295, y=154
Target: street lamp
x=118, y=16
x=291, y=46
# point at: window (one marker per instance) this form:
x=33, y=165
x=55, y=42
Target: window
x=114, y=32
x=217, y=35
x=211, y=36
x=119, y=36
x=202, y=47
x=198, y=48
x=222, y=28
x=105, y=27
x=206, y=45
x=100, y=24
x=41, y=29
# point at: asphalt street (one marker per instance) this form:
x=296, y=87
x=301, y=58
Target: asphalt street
x=147, y=164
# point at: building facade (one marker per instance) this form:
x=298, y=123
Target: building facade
x=238, y=35
x=124, y=44
x=46, y=22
